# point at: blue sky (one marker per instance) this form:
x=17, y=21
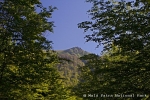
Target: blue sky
x=66, y=33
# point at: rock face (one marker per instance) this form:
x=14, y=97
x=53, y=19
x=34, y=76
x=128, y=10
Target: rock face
x=69, y=70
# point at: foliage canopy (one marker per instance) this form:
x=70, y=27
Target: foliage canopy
x=27, y=62
x=123, y=28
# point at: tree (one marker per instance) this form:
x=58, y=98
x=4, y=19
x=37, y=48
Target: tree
x=124, y=25
x=111, y=74
x=27, y=62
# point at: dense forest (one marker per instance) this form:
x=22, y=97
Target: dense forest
x=31, y=70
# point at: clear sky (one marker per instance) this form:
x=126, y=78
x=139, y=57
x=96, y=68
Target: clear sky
x=66, y=33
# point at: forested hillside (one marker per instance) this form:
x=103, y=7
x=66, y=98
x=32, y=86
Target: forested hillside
x=69, y=69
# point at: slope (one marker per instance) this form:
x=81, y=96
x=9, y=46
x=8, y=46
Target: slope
x=69, y=70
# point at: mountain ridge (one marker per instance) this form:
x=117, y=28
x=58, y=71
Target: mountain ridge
x=77, y=51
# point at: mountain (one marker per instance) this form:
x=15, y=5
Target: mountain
x=69, y=70
x=76, y=51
